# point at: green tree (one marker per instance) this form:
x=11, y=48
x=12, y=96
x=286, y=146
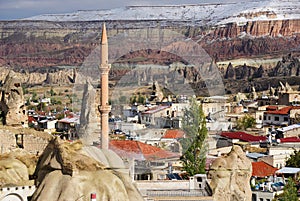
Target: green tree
x=245, y=122
x=289, y=192
x=123, y=99
x=133, y=99
x=294, y=160
x=194, y=147
x=141, y=99
x=34, y=97
x=52, y=93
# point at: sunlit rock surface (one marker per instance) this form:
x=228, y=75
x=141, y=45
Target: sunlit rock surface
x=68, y=171
x=12, y=101
x=230, y=176
x=15, y=168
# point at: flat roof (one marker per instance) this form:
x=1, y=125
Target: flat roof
x=288, y=170
x=288, y=128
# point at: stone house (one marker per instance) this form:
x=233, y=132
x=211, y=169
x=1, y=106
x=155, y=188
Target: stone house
x=152, y=116
x=146, y=162
x=279, y=117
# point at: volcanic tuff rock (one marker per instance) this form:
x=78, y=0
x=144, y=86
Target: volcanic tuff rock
x=66, y=172
x=224, y=30
x=12, y=101
x=89, y=125
x=15, y=168
x=256, y=29
x=230, y=176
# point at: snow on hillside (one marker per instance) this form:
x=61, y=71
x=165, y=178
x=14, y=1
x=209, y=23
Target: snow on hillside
x=220, y=13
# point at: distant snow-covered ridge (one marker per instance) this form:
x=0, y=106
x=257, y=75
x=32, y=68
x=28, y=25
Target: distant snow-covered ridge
x=211, y=14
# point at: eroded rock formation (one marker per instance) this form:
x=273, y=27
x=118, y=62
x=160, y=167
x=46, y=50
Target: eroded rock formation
x=89, y=130
x=230, y=176
x=12, y=101
x=15, y=168
x=65, y=171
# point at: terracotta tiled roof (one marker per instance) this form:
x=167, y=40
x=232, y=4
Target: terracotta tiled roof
x=272, y=107
x=174, y=134
x=289, y=139
x=31, y=119
x=283, y=111
x=243, y=136
x=262, y=169
x=139, y=150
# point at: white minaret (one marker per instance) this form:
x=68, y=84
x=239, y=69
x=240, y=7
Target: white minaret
x=104, y=107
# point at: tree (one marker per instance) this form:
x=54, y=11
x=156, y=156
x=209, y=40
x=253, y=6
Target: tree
x=194, y=125
x=52, y=93
x=294, y=160
x=245, y=122
x=289, y=192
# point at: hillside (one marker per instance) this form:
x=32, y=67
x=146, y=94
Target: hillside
x=263, y=31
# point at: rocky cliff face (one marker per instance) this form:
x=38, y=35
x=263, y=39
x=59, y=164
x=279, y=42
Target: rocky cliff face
x=31, y=45
x=69, y=43
x=255, y=38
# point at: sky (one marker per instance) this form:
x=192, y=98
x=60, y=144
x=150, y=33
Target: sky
x=17, y=9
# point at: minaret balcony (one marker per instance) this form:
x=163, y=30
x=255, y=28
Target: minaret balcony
x=104, y=68
x=105, y=109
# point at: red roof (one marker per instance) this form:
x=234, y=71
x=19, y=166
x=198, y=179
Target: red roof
x=243, y=136
x=289, y=139
x=139, y=150
x=262, y=169
x=272, y=107
x=31, y=119
x=174, y=134
x=283, y=111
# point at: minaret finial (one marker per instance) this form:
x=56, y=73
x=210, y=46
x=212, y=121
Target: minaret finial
x=104, y=46
x=104, y=35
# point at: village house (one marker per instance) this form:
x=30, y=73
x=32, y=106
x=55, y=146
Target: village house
x=263, y=184
x=289, y=131
x=145, y=161
x=226, y=139
x=152, y=116
x=68, y=126
x=277, y=156
x=279, y=116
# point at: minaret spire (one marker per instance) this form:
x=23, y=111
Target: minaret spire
x=104, y=107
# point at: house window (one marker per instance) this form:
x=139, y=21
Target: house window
x=269, y=117
x=285, y=119
x=261, y=199
x=276, y=118
x=265, y=118
x=260, y=117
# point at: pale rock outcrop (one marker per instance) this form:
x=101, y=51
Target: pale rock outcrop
x=89, y=130
x=15, y=168
x=230, y=176
x=65, y=171
x=12, y=101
